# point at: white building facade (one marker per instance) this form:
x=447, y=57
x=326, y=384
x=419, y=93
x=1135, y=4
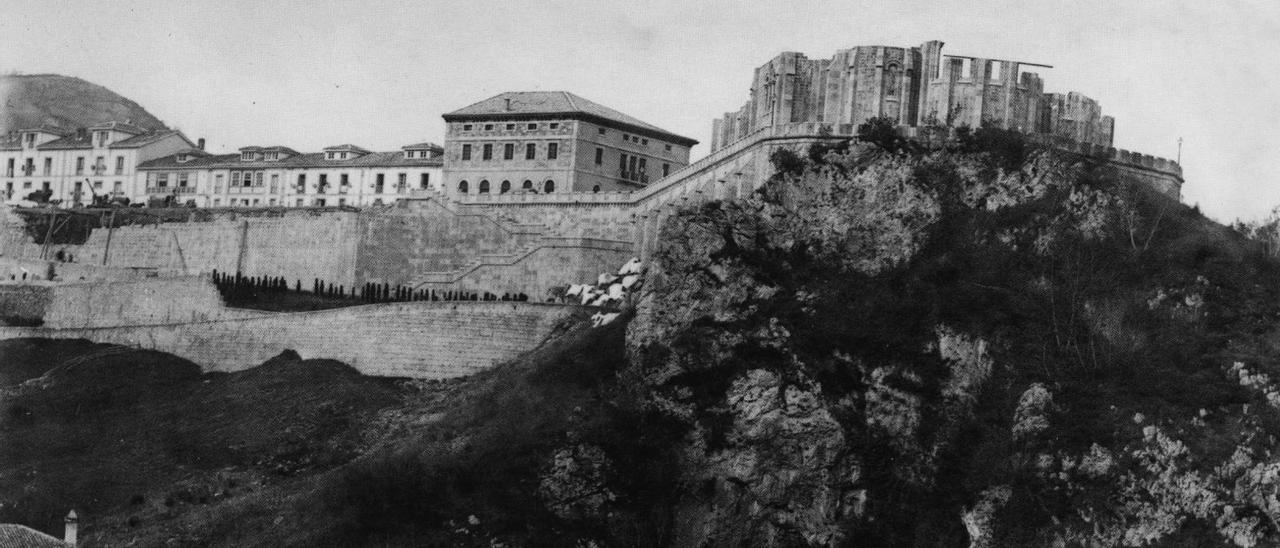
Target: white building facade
x=277, y=176
x=75, y=166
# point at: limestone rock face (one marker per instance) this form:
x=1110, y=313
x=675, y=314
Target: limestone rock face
x=779, y=479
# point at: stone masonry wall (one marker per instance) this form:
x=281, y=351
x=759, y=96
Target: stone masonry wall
x=429, y=340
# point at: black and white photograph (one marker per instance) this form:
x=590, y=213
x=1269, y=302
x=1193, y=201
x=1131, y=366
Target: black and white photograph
x=595, y=274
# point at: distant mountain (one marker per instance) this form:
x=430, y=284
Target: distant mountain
x=31, y=100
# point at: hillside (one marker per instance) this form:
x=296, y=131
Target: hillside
x=988, y=345
x=31, y=100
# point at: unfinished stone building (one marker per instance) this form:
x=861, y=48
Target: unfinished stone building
x=916, y=86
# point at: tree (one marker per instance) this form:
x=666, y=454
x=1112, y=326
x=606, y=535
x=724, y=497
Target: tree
x=881, y=131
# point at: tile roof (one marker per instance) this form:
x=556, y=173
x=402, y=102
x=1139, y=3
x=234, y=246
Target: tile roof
x=13, y=535
x=148, y=138
x=119, y=126
x=422, y=146
x=11, y=141
x=345, y=148
x=68, y=142
x=563, y=103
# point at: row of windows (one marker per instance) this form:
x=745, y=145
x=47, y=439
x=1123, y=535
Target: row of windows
x=117, y=187
x=250, y=179
x=548, y=187
x=29, y=167
x=509, y=151
x=631, y=165
x=531, y=126
x=635, y=139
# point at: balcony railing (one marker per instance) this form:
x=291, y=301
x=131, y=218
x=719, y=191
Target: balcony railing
x=29, y=170
x=637, y=176
x=170, y=190
x=99, y=169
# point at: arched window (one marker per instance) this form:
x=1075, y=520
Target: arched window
x=549, y=186
x=595, y=188
x=484, y=187
x=892, y=79
x=528, y=185
x=462, y=187
x=505, y=188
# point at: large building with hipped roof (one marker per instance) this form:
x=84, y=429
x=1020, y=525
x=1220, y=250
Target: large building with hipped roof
x=273, y=176
x=76, y=165
x=554, y=142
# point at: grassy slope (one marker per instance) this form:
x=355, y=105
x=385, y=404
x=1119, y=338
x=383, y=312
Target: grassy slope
x=141, y=437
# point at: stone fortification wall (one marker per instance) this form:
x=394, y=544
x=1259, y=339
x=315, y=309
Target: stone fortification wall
x=295, y=244
x=430, y=340
x=12, y=269
x=116, y=302
x=136, y=302
x=428, y=235
x=24, y=304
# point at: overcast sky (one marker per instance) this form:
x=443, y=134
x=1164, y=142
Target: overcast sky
x=380, y=73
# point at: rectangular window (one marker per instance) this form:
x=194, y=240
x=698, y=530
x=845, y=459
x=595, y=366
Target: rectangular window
x=511, y=127
x=530, y=151
x=99, y=165
x=117, y=188
x=162, y=180
x=402, y=182
x=48, y=166
x=466, y=127
x=667, y=148
x=488, y=127
x=532, y=126
x=632, y=163
x=102, y=138
x=425, y=181
x=554, y=125
x=119, y=165
x=622, y=163
x=344, y=181
x=217, y=184
x=45, y=185
x=642, y=169
x=599, y=156
x=182, y=180
x=666, y=169
x=644, y=142
x=508, y=151
x=299, y=202
x=553, y=150
x=324, y=182
x=466, y=152
x=235, y=178
x=601, y=130
x=378, y=186
x=275, y=183
x=79, y=165
x=488, y=152
x=8, y=172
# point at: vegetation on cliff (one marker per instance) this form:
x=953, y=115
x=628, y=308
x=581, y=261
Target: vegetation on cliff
x=887, y=345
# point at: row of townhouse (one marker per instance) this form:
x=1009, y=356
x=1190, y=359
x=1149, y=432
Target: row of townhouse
x=343, y=175
x=121, y=161
x=74, y=166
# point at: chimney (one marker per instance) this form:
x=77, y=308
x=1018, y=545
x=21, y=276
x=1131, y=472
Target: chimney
x=200, y=143
x=69, y=534
x=508, y=104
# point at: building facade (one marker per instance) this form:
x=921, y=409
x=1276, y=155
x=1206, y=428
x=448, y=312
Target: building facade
x=554, y=142
x=341, y=175
x=75, y=166
x=916, y=86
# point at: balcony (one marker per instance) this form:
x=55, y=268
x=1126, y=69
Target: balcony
x=28, y=170
x=99, y=169
x=634, y=176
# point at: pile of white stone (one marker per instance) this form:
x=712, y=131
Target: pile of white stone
x=609, y=291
